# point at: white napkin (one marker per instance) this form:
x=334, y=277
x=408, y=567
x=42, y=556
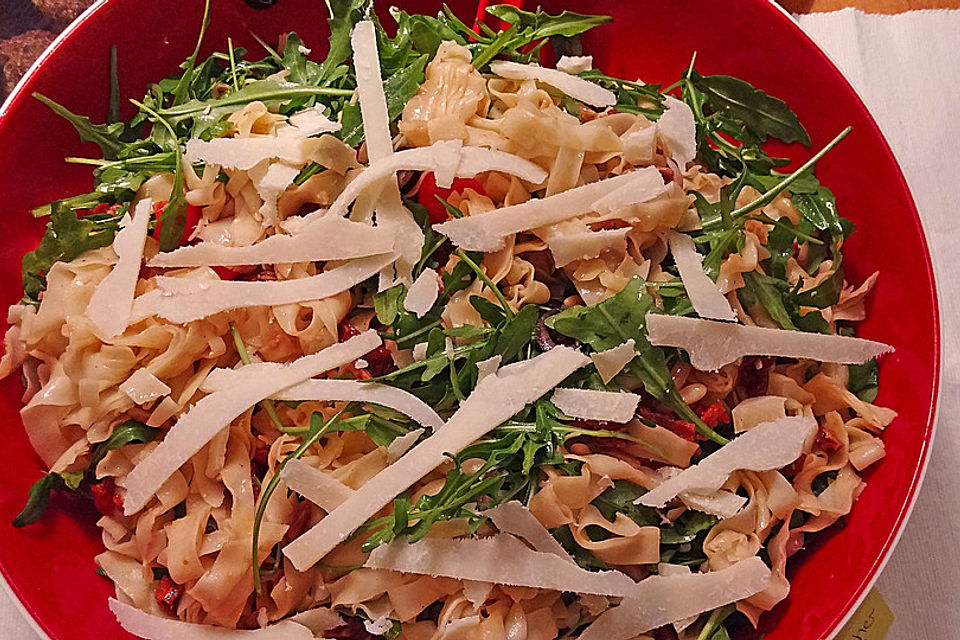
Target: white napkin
x=907, y=69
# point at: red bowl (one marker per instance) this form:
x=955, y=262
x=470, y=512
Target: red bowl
x=49, y=565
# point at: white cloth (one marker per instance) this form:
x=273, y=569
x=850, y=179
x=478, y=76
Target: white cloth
x=907, y=70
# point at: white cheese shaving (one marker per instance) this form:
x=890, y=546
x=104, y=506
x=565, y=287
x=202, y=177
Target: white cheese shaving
x=576, y=88
x=373, y=103
x=327, y=390
x=151, y=627
x=111, y=305
x=324, y=238
x=472, y=160
x=638, y=186
x=422, y=293
x=308, y=122
x=211, y=414
x=401, y=445
x=246, y=153
x=723, y=504
x=320, y=488
x=575, y=64
x=379, y=626
x=143, y=387
x=495, y=399
x=182, y=300
x=271, y=180
x=704, y=293
x=590, y=404
x=711, y=344
x=514, y=518
x=612, y=361
x=753, y=411
x=677, y=128
x=499, y=559
x=488, y=367
x=487, y=231
x=661, y=600
x=667, y=570
x=770, y=445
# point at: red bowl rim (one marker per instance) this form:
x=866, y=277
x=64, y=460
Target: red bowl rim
x=919, y=475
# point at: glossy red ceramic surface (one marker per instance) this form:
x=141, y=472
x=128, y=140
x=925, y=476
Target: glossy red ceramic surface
x=50, y=565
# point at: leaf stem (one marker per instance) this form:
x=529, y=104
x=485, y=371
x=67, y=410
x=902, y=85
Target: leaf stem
x=487, y=281
x=266, y=404
x=776, y=189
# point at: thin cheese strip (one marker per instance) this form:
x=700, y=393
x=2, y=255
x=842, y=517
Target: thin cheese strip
x=472, y=160
x=723, y=504
x=183, y=300
x=662, y=600
x=770, y=445
x=704, y=293
x=326, y=238
x=246, y=153
x=499, y=559
x=711, y=344
x=495, y=399
x=320, y=488
x=373, y=103
x=677, y=128
x=590, y=404
x=612, y=361
x=151, y=627
x=306, y=123
x=328, y=390
x=211, y=414
x=487, y=231
x=514, y=518
x=402, y=444
x=576, y=88
x=271, y=180
x=112, y=301
x=422, y=293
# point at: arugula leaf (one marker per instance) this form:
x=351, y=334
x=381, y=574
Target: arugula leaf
x=106, y=136
x=770, y=293
x=761, y=114
x=864, y=380
x=544, y=25
x=398, y=88
x=613, y=322
x=388, y=304
x=125, y=433
x=820, y=209
x=39, y=498
x=66, y=237
x=180, y=90
x=344, y=14
x=516, y=333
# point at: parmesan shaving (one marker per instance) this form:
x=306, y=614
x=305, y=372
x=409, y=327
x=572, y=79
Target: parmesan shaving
x=576, y=88
x=270, y=182
x=487, y=232
x=373, y=104
x=182, y=300
x=612, y=361
x=308, y=122
x=573, y=240
x=711, y=344
x=151, y=627
x=246, y=153
x=472, y=160
x=401, y=445
x=328, y=390
x=677, y=128
x=514, y=518
x=641, y=185
x=662, y=600
x=320, y=488
x=325, y=238
x=422, y=293
x=575, y=64
x=143, y=387
x=499, y=559
x=488, y=367
x=704, y=293
x=112, y=301
x=723, y=504
x=211, y=414
x=770, y=445
x=590, y=404
x=495, y=399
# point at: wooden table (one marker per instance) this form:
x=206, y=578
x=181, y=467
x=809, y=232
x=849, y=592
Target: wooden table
x=870, y=6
